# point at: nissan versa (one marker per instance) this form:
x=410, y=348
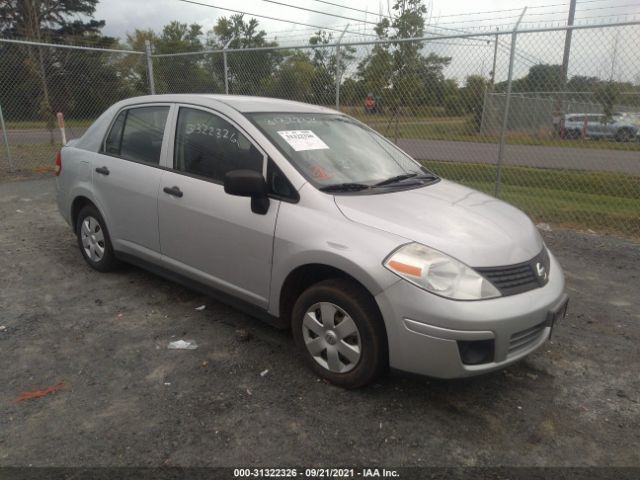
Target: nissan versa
x=311, y=220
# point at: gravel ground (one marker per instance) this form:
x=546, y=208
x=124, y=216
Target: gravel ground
x=126, y=400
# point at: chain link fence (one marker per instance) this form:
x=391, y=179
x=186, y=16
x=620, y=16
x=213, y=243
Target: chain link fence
x=492, y=110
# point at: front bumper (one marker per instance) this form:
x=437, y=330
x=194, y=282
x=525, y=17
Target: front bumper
x=423, y=329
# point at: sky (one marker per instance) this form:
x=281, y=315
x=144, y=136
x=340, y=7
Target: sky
x=594, y=52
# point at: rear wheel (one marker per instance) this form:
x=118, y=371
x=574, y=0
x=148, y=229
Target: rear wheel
x=94, y=241
x=340, y=333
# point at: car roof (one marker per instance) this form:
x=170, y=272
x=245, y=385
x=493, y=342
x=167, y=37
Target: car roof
x=241, y=103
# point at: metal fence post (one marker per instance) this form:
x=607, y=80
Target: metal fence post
x=6, y=140
x=226, y=69
x=338, y=72
x=152, y=86
x=505, y=116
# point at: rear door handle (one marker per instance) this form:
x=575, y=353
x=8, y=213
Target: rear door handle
x=102, y=170
x=175, y=191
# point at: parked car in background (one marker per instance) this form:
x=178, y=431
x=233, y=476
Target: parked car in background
x=622, y=127
x=309, y=219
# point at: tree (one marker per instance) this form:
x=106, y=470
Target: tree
x=607, y=94
x=545, y=78
x=135, y=72
x=185, y=73
x=325, y=63
x=293, y=79
x=473, y=97
x=248, y=71
x=398, y=68
x=43, y=21
x=376, y=69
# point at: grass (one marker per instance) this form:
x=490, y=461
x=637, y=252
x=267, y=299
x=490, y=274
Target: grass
x=38, y=157
x=42, y=125
x=459, y=130
x=607, y=202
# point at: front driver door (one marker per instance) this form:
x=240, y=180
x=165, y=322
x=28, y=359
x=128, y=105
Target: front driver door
x=206, y=234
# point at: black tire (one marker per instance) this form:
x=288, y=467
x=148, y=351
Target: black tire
x=573, y=134
x=624, y=135
x=107, y=262
x=361, y=307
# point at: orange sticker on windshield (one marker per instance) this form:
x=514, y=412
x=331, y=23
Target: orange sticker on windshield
x=320, y=173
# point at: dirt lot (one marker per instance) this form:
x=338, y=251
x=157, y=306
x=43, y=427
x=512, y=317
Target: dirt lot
x=128, y=400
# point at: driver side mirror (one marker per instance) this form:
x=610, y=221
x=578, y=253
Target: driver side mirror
x=248, y=183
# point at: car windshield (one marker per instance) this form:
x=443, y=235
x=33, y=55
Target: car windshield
x=334, y=151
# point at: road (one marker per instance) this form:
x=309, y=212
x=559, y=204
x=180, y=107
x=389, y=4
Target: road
x=592, y=159
x=126, y=400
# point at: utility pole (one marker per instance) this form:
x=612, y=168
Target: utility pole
x=567, y=42
x=559, y=114
x=226, y=69
x=338, y=72
x=495, y=56
x=152, y=85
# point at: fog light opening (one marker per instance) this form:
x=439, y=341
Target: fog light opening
x=476, y=352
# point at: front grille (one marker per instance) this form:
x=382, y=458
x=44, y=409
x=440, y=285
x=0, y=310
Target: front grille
x=521, y=340
x=520, y=277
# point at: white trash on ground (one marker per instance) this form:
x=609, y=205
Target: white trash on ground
x=263, y=373
x=201, y=307
x=183, y=345
x=545, y=227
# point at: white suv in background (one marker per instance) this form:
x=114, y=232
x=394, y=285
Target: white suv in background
x=623, y=127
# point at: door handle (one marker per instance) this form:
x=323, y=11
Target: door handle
x=175, y=191
x=102, y=170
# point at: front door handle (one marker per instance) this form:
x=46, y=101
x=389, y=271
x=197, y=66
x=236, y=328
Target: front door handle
x=102, y=170
x=175, y=191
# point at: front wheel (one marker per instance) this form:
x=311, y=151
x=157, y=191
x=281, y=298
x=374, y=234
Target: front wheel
x=339, y=330
x=624, y=135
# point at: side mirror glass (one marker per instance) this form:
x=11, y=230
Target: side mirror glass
x=248, y=183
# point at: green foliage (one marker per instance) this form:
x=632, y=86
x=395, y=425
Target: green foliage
x=39, y=81
x=398, y=70
x=607, y=94
x=293, y=80
x=473, y=95
x=182, y=74
x=544, y=78
x=247, y=70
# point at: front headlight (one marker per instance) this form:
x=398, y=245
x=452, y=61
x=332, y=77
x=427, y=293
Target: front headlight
x=438, y=273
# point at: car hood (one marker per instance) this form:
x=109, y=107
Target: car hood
x=475, y=228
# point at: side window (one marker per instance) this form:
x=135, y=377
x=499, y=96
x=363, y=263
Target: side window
x=137, y=134
x=209, y=146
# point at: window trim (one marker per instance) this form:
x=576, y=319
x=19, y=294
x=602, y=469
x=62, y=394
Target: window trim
x=126, y=109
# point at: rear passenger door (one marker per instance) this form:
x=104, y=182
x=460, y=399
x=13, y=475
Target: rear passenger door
x=205, y=233
x=126, y=177
x=595, y=126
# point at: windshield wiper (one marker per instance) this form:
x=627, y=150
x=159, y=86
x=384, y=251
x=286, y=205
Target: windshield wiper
x=344, y=187
x=405, y=176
